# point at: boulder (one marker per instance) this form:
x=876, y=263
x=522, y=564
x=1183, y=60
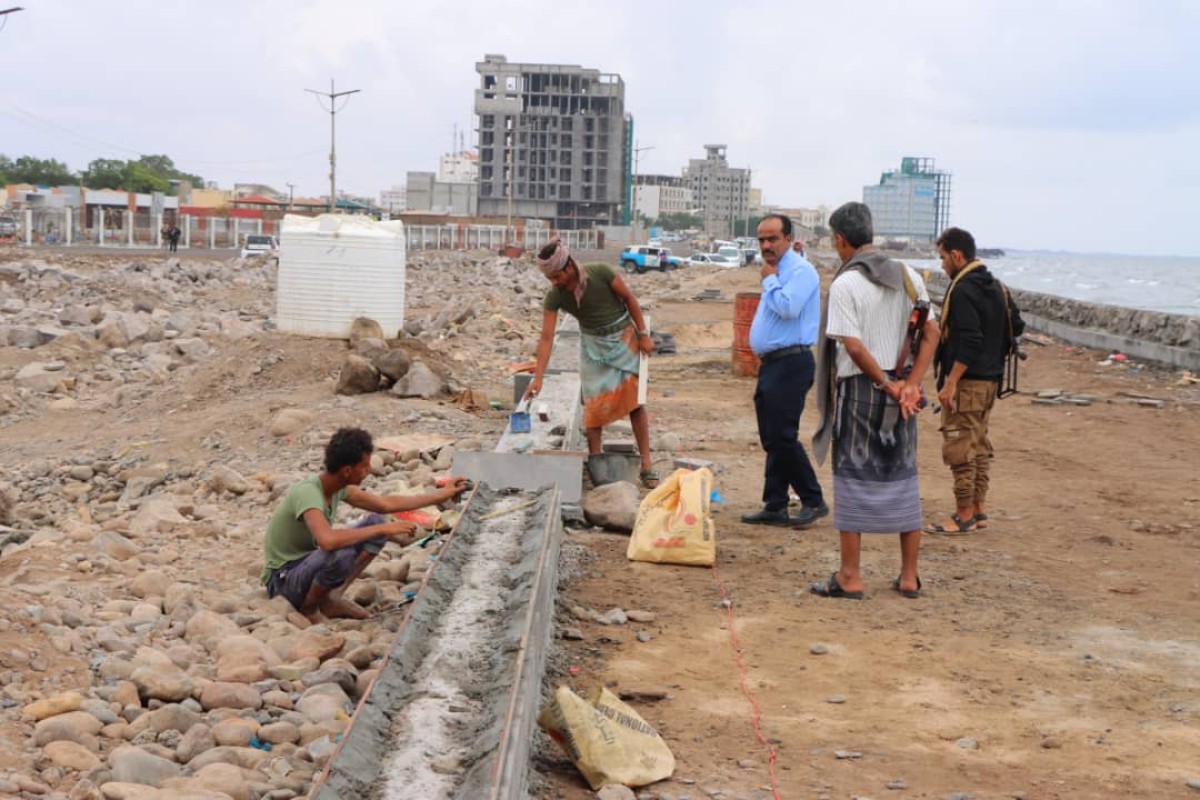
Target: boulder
x=420, y=381
x=358, y=376
x=613, y=506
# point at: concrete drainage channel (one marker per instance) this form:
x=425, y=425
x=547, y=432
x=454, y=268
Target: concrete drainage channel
x=452, y=711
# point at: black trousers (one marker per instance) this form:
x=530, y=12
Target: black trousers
x=778, y=403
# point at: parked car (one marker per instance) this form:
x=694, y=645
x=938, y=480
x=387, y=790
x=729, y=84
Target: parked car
x=733, y=252
x=260, y=245
x=712, y=260
x=639, y=258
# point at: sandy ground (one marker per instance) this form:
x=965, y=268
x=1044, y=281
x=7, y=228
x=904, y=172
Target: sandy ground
x=1055, y=656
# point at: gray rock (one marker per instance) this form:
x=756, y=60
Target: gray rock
x=114, y=545
x=168, y=683
x=365, y=328
x=290, y=422
x=154, y=516
x=344, y=678
x=358, y=376
x=134, y=765
x=226, y=479
x=36, y=378
x=196, y=740
x=420, y=381
x=394, y=364
x=74, y=726
x=220, y=694
x=613, y=506
x=371, y=349
x=614, y=616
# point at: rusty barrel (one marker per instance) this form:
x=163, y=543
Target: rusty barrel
x=745, y=363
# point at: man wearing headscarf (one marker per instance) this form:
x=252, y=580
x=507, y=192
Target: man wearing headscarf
x=612, y=337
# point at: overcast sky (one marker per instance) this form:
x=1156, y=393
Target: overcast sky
x=1066, y=125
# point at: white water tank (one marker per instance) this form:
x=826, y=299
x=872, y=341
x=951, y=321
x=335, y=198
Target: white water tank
x=334, y=268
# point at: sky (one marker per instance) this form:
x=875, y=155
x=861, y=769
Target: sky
x=1067, y=125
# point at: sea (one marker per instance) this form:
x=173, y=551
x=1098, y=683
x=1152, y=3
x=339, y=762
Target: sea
x=1158, y=283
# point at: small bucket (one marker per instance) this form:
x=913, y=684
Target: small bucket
x=604, y=468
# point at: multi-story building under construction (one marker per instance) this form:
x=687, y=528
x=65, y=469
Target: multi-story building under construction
x=553, y=143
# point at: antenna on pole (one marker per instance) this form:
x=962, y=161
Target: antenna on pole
x=332, y=96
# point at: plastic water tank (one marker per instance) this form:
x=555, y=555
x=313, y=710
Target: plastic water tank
x=335, y=268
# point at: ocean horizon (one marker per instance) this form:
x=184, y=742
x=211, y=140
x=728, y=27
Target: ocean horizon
x=1170, y=284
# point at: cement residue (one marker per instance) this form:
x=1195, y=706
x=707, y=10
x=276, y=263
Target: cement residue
x=433, y=722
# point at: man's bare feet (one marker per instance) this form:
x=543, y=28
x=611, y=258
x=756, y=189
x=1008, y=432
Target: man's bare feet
x=315, y=616
x=340, y=608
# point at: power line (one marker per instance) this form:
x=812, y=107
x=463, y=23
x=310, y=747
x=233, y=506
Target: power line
x=84, y=138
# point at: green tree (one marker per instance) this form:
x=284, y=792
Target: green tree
x=42, y=172
x=105, y=173
x=139, y=178
x=680, y=222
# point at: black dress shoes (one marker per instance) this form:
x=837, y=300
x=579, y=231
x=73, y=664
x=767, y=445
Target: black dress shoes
x=810, y=514
x=766, y=516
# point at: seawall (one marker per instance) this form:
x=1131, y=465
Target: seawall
x=1170, y=339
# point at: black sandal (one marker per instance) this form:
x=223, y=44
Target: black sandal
x=911, y=594
x=964, y=526
x=831, y=588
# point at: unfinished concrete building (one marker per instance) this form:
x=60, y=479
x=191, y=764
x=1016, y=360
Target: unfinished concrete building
x=721, y=191
x=553, y=143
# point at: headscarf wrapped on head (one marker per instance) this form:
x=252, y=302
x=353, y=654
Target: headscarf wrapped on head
x=557, y=262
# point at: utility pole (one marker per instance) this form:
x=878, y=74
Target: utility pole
x=746, y=196
x=637, y=152
x=291, y=194
x=332, y=96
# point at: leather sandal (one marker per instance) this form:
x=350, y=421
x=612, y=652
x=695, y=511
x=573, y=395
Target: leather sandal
x=962, y=526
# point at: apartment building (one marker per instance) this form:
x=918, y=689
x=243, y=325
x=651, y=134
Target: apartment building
x=721, y=191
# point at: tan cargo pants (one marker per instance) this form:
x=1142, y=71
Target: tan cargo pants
x=966, y=448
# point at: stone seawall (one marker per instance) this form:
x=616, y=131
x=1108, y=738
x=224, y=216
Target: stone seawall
x=1171, y=339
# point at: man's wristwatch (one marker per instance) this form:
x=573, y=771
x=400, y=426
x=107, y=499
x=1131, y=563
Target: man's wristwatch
x=643, y=333
x=883, y=384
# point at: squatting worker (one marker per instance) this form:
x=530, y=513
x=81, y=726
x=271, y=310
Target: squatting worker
x=868, y=401
x=979, y=322
x=309, y=561
x=782, y=335
x=612, y=337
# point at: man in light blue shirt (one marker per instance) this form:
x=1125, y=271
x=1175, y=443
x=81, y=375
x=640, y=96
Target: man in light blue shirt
x=782, y=334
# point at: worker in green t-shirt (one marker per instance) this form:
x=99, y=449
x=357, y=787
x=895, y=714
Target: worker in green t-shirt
x=613, y=339
x=309, y=561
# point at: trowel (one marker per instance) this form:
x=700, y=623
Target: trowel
x=518, y=420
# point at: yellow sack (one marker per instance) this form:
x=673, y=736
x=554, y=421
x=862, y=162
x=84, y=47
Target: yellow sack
x=606, y=739
x=673, y=525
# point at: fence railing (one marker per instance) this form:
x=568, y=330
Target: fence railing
x=116, y=227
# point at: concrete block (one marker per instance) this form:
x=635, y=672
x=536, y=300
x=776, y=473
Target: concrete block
x=694, y=463
x=505, y=470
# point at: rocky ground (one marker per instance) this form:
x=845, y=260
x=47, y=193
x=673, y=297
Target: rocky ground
x=151, y=416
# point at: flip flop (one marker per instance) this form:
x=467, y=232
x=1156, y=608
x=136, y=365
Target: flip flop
x=981, y=520
x=911, y=594
x=649, y=478
x=964, y=526
x=831, y=588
